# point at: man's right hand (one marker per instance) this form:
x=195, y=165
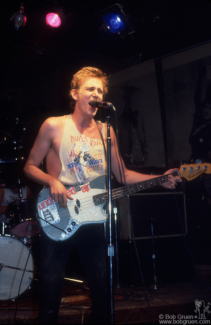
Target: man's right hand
x=59, y=193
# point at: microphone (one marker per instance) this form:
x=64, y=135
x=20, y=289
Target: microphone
x=100, y=103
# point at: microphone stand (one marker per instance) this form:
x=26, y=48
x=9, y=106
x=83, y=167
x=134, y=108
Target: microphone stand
x=109, y=210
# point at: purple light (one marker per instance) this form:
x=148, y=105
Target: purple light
x=53, y=20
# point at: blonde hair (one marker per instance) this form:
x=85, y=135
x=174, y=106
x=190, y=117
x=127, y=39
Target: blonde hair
x=87, y=72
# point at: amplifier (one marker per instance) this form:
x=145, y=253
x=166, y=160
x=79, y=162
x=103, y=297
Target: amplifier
x=153, y=214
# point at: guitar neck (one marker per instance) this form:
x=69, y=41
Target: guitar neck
x=133, y=188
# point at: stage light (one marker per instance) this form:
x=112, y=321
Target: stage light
x=19, y=18
x=115, y=21
x=53, y=19
x=56, y=17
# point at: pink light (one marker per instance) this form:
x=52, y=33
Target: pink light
x=53, y=20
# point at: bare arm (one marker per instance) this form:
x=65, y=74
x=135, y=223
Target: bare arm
x=132, y=176
x=41, y=147
x=38, y=152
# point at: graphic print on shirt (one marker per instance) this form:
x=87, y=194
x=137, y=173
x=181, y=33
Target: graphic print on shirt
x=83, y=160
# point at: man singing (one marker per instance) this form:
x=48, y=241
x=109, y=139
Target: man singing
x=75, y=154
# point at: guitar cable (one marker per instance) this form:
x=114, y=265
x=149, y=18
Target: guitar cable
x=52, y=225
x=132, y=231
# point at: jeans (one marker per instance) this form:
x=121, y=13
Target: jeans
x=90, y=244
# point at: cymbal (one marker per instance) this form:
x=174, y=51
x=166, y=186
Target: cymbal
x=3, y=161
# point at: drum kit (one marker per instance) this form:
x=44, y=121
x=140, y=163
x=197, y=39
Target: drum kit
x=18, y=228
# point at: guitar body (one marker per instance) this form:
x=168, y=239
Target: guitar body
x=61, y=223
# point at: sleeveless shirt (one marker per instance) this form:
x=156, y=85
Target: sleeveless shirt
x=82, y=158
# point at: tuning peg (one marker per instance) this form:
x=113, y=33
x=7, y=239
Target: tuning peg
x=198, y=161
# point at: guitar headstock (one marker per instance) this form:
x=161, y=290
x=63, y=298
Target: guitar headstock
x=192, y=171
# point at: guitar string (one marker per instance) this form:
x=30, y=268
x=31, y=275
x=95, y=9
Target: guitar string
x=123, y=191
x=88, y=201
x=116, y=193
x=128, y=189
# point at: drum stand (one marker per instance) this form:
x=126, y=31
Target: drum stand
x=2, y=228
x=15, y=268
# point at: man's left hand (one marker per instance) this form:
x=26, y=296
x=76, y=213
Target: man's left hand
x=172, y=180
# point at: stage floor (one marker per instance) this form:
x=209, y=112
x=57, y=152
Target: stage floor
x=175, y=301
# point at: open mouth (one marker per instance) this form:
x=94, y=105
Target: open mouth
x=92, y=108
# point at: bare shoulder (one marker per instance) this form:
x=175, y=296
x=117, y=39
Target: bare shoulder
x=52, y=125
x=54, y=122
x=47, y=139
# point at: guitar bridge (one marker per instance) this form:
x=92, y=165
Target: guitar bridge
x=49, y=215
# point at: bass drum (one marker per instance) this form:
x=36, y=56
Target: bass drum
x=15, y=257
x=21, y=217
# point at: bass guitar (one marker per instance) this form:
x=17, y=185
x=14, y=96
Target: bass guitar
x=89, y=202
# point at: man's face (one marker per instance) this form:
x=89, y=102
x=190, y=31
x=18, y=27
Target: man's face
x=207, y=111
x=90, y=89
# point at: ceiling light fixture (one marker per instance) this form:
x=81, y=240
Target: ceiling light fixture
x=54, y=19
x=115, y=21
x=19, y=18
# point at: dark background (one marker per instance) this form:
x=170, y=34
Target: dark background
x=37, y=64
x=38, y=61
